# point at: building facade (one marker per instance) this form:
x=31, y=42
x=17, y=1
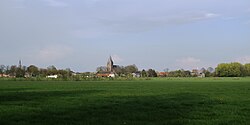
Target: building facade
x=110, y=65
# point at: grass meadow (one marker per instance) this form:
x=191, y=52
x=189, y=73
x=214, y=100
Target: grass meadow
x=161, y=101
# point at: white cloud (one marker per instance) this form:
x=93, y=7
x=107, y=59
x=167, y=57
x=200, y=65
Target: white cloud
x=117, y=58
x=56, y=3
x=53, y=53
x=211, y=15
x=146, y=22
x=198, y=16
x=243, y=60
x=188, y=63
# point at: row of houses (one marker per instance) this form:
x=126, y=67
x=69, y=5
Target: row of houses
x=6, y=76
x=26, y=76
x=110, y=71
x=138, y=74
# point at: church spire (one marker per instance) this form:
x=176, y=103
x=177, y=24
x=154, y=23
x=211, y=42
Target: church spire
x=20, y=64
x=110, y=59
x=110, y=64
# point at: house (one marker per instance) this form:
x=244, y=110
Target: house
x=110, y=65
x=52, y=76
x=110, y=71
x=201, y=75
x=198, y=73
x=136, y=74
x=162, y=74
x=4, y=75
x=111, y=75
x=105, y=74
x=195, y=72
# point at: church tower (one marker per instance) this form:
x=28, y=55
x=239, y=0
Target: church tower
x=20, y=64
x=110, y=65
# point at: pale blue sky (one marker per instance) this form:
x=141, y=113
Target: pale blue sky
x=82, y=34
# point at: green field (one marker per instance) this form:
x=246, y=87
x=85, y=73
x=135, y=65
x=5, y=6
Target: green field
x=177, y=101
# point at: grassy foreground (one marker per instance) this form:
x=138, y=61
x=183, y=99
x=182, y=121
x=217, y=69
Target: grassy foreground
x=184, y=101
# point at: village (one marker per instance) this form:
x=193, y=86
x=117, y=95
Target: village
x=111, y=70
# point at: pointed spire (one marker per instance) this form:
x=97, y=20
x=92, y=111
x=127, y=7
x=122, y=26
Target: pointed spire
x=110, y=64
x=110, y=59
x=20, y=64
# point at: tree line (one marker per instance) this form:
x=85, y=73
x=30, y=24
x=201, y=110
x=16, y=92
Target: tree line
x=128, y=71
x=33, y=71
x=234, y=69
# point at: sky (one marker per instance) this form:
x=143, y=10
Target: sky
x=158, y=34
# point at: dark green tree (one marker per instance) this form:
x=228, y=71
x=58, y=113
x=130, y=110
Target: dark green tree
x=247, y=69
x=20, y=72
x=51, y=70
x=119, y=70
x=33, y=70
x=131, y=69
x=12, y=70
x=144, y=73
x=180, y=73
x=43, y=72
x=230, y=70
x=2, y=69
x=101, y=69
x=151, y=73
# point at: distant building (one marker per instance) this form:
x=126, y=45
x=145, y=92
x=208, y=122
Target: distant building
x=136, y=74
x=110, y=69
x=52, y=76
x=195, y=72
x=202, y=70
x=111, y=75
x=201, y=75
x=4, y=76
x=198, y=73
x=105, y=74
x=110, y=65
x=162, y=74
x=20, y=64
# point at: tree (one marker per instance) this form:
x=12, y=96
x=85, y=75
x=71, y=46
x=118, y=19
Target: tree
x=166, y=70
x=186, y=73
x=131, y=69
x=43, y=72
x=210, y=69
x=69, y=72
x=65, y=74
x=119, y=70
x=52, y=70
x=203, y=70
x=7, y=71
x=230, y=70
x=180, y=73
x=143, y=73
x=237, y=70
x=101, y=69
x=20, y=72
x=12, y=70
x=33, y=70
x=2, y=69
x=151, y=73
x=208, y=74
x=247, y=69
